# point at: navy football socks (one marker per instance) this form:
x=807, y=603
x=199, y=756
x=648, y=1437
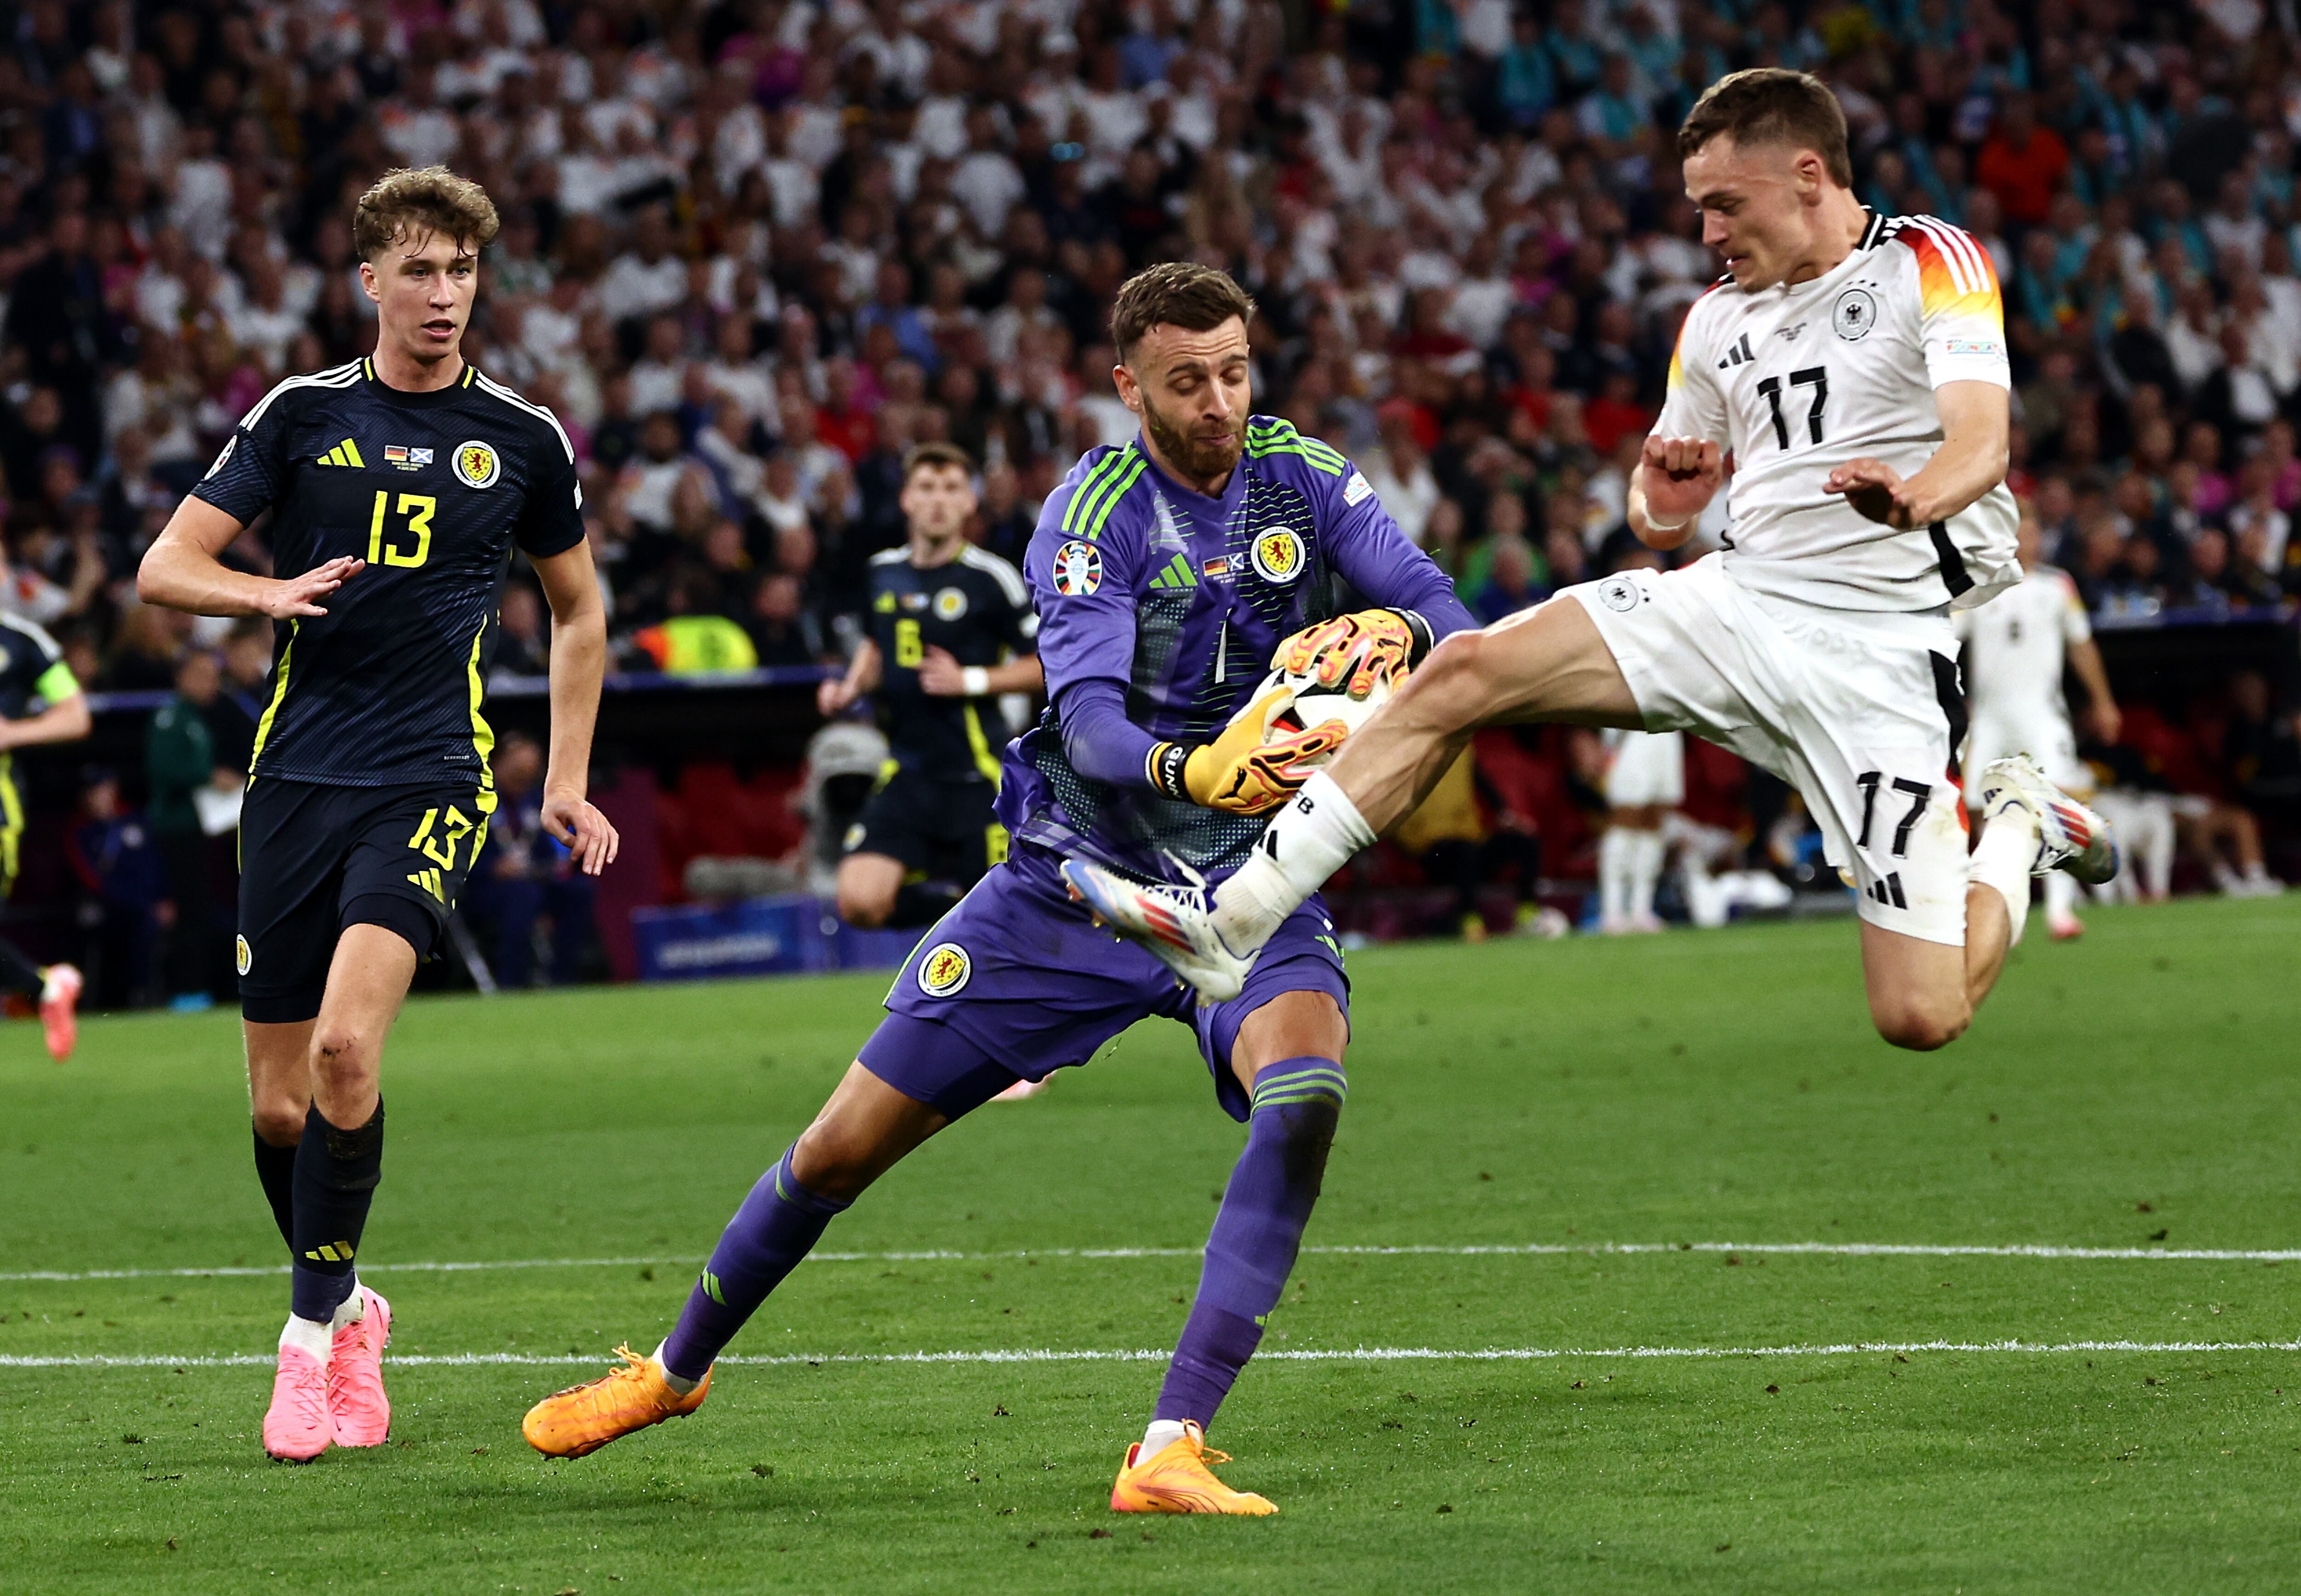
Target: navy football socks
x=275, y=1167
x=1257, y=1232
x=335, y=1175
x=778, y=1225
x=18, y=973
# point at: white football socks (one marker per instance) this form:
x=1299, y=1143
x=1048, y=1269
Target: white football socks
x=1316, y=833
x=2002, y=859
x=1646, y=868
x=317, y=1336
x=351, y=1310
x=682, y=1386
x=1162, y=1433
x=311, y=1335
x=1614, y=877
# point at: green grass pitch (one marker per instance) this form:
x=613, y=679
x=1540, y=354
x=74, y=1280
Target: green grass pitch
x=1715, y=1098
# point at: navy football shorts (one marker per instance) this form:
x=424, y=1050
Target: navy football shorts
x=314, y=859
x=1017, y=983
x=940, y=831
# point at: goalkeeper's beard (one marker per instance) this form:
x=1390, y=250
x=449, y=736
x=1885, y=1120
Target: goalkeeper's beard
x=1197, y=457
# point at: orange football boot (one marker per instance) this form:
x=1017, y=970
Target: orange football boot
x=583, y=1418
x=1178, y=1481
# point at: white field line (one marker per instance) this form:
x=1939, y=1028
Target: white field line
x=2224, y=1255
x=1159, y=1355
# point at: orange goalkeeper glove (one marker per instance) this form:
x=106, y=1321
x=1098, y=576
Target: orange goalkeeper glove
x=1357, y=652
x=1239, y=771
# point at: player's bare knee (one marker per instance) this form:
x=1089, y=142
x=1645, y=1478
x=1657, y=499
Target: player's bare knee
x=343, y=1057
x=1923, y=1027
x=833, y=1160
x=279, y=1123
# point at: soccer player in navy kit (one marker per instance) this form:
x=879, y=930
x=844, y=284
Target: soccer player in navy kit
x=1167, y=573
x=950, y=626
x=398, y=486
x=40, y=702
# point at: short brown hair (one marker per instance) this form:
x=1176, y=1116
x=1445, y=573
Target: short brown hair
x=923, y=456
x=408, y=202
x=1180, y=293
x=1771, y=105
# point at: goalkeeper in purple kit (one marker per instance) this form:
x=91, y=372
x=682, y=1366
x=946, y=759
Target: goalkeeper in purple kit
x=1170, y=574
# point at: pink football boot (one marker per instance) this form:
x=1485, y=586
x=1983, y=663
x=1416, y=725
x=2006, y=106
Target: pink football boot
x=296, y=1430
x=360, y=1412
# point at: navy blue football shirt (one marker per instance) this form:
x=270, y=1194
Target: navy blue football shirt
x=433, y=490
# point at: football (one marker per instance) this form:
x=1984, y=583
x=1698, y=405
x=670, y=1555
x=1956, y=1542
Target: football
x=1315, y=705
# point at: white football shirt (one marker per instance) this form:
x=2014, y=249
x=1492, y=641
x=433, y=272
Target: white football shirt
x=2015, y=647
x=1796, y=380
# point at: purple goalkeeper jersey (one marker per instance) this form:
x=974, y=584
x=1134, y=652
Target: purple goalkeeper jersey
x=1180, y=601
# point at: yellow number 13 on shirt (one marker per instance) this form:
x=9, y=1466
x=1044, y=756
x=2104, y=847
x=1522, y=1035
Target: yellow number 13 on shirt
x=418, y=508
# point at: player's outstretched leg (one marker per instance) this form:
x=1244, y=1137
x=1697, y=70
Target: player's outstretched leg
x=861, y=1132
x=1545, y=663
x=1922, y=994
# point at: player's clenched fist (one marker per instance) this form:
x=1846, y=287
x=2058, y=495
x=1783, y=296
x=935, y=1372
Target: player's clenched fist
x=1355, y=653
x=1679, y=475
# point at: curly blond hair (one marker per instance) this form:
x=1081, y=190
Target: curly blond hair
x=411, y=202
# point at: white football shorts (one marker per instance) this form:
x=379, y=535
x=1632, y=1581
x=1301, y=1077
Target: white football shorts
x=1859, y=711
x=1645, y=768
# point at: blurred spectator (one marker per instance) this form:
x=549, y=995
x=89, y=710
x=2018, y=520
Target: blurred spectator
x=524, y=882
x=1450, y=834
x=243, y=694
x=114, y=854
x=1511, y=582
x=180, y=764
x=523, y=633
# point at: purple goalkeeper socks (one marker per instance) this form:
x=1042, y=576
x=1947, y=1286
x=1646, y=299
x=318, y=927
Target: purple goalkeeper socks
x=1257, y=1232
x=778, y=1225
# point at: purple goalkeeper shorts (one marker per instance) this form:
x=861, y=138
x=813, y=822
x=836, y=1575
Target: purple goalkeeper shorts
x=1017, y=983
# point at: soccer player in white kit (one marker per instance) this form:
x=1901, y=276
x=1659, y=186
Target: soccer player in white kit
x=2015, y=649
x=1645, y=781
x=1854, y=370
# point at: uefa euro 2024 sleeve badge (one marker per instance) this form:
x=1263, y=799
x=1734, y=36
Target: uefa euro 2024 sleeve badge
x=1078, y=569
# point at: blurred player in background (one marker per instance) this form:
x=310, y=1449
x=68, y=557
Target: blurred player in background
x=1167, y=573
x=40, y=702
x=1645, y=784
x=2016, y=646
x=951, y=629
x=399, y=485
x=1854, y=369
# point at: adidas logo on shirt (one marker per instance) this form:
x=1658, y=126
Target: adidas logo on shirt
x=346, y=452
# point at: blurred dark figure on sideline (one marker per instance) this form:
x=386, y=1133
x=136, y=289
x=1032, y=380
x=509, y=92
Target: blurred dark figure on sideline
x=181, y=763
x=524, y=878
x=114, y=854
x=245, y=692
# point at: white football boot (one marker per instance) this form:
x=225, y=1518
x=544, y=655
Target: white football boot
x=2070, y=836
x=1175, y=923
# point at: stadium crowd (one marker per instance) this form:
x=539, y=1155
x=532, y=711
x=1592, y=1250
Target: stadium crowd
x=752, y=252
